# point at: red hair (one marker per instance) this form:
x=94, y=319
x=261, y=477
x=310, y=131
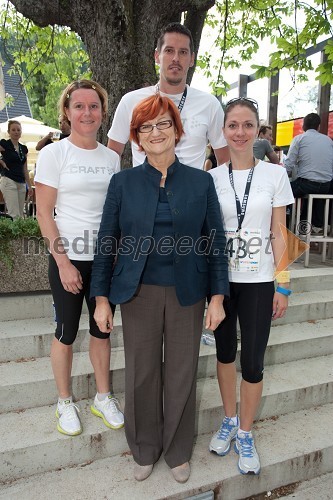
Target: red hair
x=150, y=108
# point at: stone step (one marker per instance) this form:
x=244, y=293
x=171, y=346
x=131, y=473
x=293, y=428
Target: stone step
x=39, y=305
x=291, y=449
x=308, y=280
x=31, y=443
x=27, y=383
x=31, y=338
x=319, y=488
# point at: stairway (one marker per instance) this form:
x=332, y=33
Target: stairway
x=294, y=432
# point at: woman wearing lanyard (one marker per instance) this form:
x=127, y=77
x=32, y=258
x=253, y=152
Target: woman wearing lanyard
x=253, y=196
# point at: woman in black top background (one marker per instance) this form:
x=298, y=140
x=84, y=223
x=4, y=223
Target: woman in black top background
x=14, y=171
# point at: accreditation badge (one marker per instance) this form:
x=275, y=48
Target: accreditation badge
x=243, y=249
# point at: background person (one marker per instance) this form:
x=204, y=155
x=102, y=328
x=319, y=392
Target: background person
x=311, y=156
x=201, y=113
x=253, y=196
x=211, y=161
x=280, y=154
x=72, y=176
x=14, y=173
x=262, y=146
x=65, y=132
x=161, y=290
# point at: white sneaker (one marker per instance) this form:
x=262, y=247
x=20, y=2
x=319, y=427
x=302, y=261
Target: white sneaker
x=248, y=462
x=68, y=419
x=222, y=439
x=109, y=411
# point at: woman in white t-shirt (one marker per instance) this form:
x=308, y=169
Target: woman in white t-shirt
x=72, y=179
x=253, y=196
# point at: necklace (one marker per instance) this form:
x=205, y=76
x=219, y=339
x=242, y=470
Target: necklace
x=18, y=151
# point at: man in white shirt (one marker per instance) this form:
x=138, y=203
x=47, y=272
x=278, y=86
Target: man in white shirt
x=311, y=155
x=201, y=113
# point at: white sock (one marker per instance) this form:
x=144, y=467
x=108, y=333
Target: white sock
x=234, y=420
x=62, y=400
x=240, y=431
x=102, y=395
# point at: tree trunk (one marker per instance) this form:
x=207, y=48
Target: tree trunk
x=120, y=35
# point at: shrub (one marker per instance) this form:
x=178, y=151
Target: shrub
x=13, y=230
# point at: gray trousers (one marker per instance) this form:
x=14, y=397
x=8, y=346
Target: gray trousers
x=160, y=398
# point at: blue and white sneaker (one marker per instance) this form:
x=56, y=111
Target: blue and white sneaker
x=222, y=439
x=248, y=462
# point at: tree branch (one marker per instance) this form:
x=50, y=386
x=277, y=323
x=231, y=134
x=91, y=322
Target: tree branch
x=44, y=13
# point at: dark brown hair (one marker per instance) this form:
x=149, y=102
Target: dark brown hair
x=242, y=101
x=174, y=28
x=13, y=122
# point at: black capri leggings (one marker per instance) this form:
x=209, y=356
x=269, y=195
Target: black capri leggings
x=252, y=303
x=68, y=307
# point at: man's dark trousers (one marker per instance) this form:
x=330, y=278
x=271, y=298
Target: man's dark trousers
x=302, y=187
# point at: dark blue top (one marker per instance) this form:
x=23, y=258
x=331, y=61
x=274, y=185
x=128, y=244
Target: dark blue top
x=14, y=160
x=159, y=268
x=128, y=221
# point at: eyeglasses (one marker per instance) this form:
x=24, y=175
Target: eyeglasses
x=243, y=99
x=144, y=129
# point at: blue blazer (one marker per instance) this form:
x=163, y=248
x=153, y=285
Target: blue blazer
x=200, y=263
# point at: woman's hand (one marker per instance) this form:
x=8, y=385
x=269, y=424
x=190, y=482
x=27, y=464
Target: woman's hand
x=3, y=164
x=215, y=312
x=71, y=278
x=280, y=305
x=103, y=315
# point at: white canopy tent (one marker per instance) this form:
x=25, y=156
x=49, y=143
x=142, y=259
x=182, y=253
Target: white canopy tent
x=32, y=130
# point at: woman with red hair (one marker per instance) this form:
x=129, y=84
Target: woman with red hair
x=159, y=253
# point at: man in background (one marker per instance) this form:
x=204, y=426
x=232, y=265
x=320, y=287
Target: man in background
x=262, y=146
x=65, y=132
x=311, y=156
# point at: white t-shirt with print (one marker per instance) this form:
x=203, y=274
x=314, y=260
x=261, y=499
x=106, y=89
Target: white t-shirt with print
x=270, y=188
x=81, y=177
x=202, y=117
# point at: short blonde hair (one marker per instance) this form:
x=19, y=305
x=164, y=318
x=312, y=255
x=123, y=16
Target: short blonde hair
x=82, y=84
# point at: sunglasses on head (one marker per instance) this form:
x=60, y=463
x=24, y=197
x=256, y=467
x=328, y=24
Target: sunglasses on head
x=243, y=99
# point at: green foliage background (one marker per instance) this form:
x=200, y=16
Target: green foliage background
x=48, y=58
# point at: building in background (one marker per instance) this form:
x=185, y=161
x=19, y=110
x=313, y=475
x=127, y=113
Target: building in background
x=13, y=88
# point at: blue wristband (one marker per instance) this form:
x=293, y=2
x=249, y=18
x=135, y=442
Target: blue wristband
x=284, y=291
